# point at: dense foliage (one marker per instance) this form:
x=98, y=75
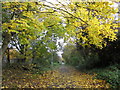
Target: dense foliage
x=25, y=22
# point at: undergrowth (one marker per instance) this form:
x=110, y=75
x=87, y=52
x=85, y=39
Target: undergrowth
x=111, y=74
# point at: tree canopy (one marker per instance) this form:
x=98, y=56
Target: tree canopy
x=90, y=23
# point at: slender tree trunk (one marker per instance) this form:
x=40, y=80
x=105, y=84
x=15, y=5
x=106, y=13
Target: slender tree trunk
x=52, y=59
x=8, y=55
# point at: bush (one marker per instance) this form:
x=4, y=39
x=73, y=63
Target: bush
x=110, y=74
x=44, y=64
x=78, y=59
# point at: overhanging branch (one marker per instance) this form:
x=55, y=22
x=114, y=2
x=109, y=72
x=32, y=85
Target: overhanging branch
x=66, y=12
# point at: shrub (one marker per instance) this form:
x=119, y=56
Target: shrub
x=110, y=74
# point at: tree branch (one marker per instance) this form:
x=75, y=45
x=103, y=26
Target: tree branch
x=66, y=12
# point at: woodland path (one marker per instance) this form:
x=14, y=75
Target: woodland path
x=69, y=77
x=61, y=77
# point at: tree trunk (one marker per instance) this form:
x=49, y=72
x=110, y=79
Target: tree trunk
x=6, y=41
x=8, y=55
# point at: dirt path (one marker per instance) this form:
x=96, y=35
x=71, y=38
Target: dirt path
x=62, y=77
x=69, y=77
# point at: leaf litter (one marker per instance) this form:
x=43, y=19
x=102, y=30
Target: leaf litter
x=62, y=77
